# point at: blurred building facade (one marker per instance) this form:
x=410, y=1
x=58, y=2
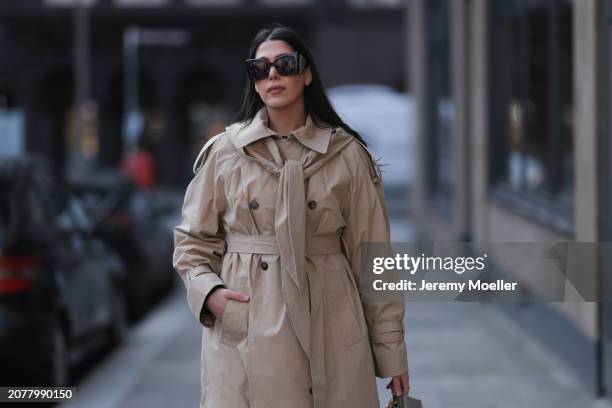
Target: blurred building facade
x=514, y=135
x=190, y=67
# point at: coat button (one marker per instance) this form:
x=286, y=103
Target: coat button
x=254, y=205
x=310, y=390
x=264, y=265
x=312, y=205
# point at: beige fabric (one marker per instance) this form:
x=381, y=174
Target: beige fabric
x=305, y=339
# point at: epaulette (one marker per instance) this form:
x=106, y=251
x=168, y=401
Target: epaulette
x=375, y=167
x=199, y=161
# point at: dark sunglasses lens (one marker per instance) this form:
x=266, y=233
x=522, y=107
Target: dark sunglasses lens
x=287, y=65
x=258, y=69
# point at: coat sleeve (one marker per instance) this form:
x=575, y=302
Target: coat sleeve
x=368, y=221
x=199, y=239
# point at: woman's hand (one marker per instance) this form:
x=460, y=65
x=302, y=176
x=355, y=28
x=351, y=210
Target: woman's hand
x=399, y=384
x=218, y=299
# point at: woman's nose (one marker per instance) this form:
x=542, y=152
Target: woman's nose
x=273, y=72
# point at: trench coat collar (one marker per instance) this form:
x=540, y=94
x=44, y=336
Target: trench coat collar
x=310, y=135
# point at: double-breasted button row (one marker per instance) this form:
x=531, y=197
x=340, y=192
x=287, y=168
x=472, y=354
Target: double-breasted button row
x=253, y=205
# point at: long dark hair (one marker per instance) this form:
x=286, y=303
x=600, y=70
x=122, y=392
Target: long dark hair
x=316, y=102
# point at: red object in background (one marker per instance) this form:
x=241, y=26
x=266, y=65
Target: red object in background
x=140, y=167
x=17, y=274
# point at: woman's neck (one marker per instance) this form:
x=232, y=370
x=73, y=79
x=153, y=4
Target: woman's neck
x=286, y=120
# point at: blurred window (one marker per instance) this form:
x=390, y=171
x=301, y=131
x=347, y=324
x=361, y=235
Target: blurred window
x=12, y=129
x=376, y=3
x=68, y=3
x=531, y=148
x=200, y=3
x=439, y=108
x=141, y=3
x=284, y=2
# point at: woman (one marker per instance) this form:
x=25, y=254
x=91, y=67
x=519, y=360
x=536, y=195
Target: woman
x=268, y=248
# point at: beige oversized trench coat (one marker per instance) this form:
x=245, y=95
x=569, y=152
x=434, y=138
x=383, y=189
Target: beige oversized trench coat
x=286, y=231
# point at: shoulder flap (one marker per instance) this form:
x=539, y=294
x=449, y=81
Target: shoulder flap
x=375, y=171
x=199, y=161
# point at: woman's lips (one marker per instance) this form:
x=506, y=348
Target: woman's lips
x=276, y=90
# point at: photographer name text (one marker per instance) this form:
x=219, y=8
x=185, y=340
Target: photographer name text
x=477, y=285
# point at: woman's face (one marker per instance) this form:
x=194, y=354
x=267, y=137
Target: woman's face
x=277, y=91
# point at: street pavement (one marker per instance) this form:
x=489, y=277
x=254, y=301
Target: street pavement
x=461, y=355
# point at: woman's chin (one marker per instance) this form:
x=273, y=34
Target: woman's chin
x=278, y=103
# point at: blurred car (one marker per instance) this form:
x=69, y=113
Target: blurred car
x=384, y=117
x=131, y=220
x=61, y=289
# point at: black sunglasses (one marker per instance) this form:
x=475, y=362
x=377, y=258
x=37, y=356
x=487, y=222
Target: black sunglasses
x=292, y=63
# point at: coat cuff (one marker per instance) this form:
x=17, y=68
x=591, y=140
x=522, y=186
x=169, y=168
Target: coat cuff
x=389, y=349
x=200, y=286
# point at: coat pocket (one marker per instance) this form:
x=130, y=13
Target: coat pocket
x=345, y=301
x=234, y=322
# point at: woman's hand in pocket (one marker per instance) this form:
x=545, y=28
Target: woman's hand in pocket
x=218, y=299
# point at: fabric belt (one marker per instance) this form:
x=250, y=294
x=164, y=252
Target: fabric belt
x=267, y=245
